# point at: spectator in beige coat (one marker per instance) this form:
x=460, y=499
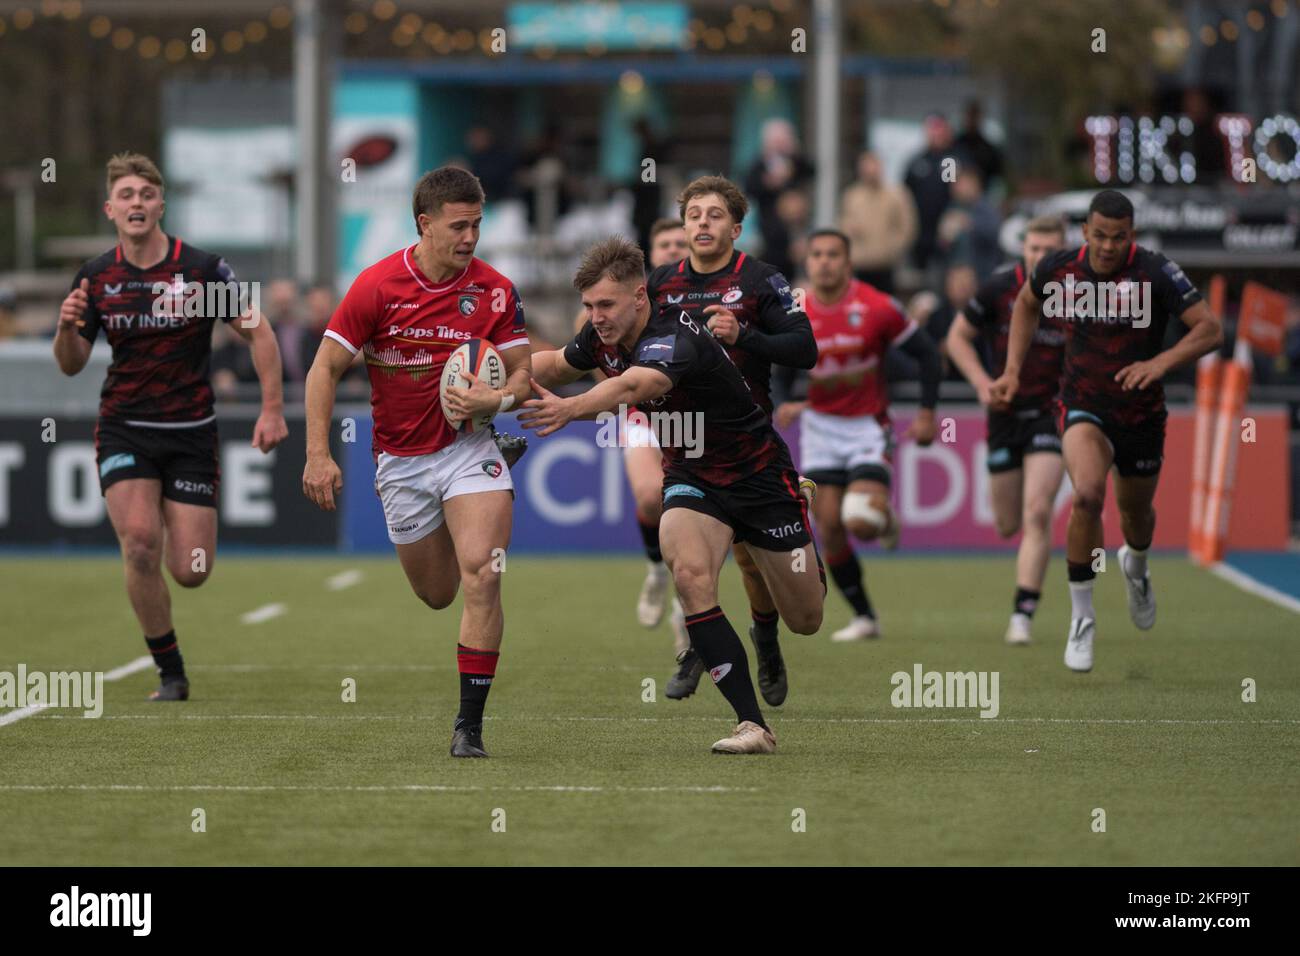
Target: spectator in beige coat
x=880, y=221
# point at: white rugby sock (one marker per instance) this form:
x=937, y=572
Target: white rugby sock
x=1135, y=563
x=1081, y=599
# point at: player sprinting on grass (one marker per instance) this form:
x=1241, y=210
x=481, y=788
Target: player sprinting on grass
x=1116, y=299
x=642, y=462
x=749, y=307
x=1024, y=446
x=845, y=436
x=447, y=494
x=740, y=486
x=156, y=439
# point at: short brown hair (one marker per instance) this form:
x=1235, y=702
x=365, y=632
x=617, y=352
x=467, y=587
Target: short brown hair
x=440, y=186
x=132, y=164
x=731, y=195
x=665, y=225
x=1046, y=224
x=620, y=259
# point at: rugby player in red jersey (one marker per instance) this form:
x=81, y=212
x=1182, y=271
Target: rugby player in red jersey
x=1024, y=447
x=749, y=307
x=446, y=492
x=1116, y=298
x=845, y=437
x=156, y=440
x=735, y=482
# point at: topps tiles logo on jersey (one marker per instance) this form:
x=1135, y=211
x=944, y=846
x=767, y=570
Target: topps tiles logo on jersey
x=958, y=689
x=77, y=909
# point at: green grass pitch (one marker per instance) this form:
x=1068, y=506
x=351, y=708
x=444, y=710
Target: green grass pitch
x=583, y=771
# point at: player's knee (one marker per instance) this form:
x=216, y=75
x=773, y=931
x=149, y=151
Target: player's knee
x=1038, y=515
x=481, y=582
x=1089, y=500
x=436, y=597
x=804, y=620
x=864, y=516
x=141, y=549
x=693, y=581
x=187, y=577
x=1007, y=525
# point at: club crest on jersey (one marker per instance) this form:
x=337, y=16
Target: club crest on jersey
x=732, y=295
x=468, y=305
x=491, y=468
x=855, y=319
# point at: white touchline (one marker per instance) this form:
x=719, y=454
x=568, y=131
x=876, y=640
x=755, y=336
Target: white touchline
x=263, y=613
x=14, y=716
x=1252, y=586
x=117, y=673
x=344, y=579
x=982, y=722
x=126, y=670
x=410, y=787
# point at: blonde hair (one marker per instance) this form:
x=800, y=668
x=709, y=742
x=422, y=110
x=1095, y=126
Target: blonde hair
x=133, y=164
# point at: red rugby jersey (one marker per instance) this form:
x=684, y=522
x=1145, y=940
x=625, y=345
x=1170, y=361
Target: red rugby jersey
x=853, y=336
x=408, y=327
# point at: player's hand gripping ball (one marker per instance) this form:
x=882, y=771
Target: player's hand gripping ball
x=470, y=382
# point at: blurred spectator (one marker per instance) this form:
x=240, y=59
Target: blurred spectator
x=320, y=303
x=232, y=363
x=492, y=163
x=986, y=157
x=794, y=209
x=935, y=314
x=8, y=313
x=780, y=166
x=542, y=175
x=880, y=221
x=930, y=191
x=647, y=201
x=968, y=229
x=282, y=309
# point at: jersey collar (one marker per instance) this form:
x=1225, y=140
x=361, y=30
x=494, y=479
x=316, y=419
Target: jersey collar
x=173, y=255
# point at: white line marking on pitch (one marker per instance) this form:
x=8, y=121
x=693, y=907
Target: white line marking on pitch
x=21, y=712
x=344, y=579
x=981, y=721
x=410, y=788
x=126, y=670
x=264, y=613
x=116, y=674
x=1252, y=586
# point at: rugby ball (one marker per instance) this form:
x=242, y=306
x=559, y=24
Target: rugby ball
x=480, y=359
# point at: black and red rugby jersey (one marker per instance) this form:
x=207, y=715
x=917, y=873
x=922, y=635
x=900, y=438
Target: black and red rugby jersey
x=735, y=436
x=1112, y=321
x=758, y=296
x=990, y=312
x=160, y=334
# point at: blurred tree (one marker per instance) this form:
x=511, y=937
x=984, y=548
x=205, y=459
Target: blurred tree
x=1043, y=51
